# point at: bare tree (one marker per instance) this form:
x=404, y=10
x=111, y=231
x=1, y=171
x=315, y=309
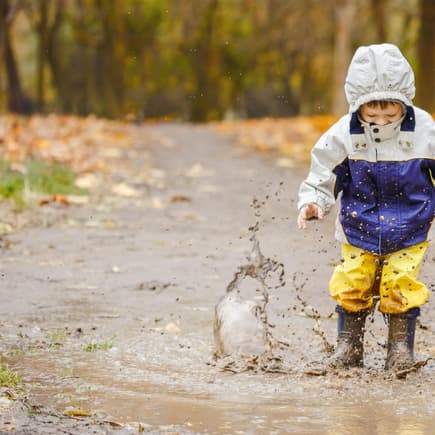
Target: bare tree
x=378, y=15
x=344, y=19
x=206, y=67
x=426, y=56
x=17, y=101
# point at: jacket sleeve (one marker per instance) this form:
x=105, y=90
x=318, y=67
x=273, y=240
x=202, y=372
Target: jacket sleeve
x=432, y=151
x=432, y=147
x=328, y=153
x=429, y=127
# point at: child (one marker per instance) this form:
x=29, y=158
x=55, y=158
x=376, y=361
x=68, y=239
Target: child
x=379, y=161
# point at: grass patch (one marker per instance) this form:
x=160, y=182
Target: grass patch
x=102, y=345
x=57, y=338
x=37, y=176
x=9, y=379
x=54, y=179
x=11, y=183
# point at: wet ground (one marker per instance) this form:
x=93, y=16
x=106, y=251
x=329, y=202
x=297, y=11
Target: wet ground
x=107, y=308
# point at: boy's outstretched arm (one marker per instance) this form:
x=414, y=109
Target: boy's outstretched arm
x=309, y=211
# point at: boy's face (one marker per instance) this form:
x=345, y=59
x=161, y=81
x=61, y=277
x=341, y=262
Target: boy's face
x=381, y=116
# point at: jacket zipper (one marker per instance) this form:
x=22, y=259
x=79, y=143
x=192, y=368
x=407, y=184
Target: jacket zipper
x=378, y=198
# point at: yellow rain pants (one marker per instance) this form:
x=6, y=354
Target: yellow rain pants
x=363, y=275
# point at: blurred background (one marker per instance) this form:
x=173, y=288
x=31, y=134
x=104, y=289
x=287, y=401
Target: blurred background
x=200, y=60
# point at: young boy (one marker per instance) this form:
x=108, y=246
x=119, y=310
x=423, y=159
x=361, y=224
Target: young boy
x=379, y=161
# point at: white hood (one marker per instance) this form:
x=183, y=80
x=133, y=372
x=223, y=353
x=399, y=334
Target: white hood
x=379, y=72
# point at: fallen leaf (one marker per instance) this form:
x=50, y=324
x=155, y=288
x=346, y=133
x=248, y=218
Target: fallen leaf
x=60, y=199
x=180, y=198
x=172, y=327
x=156, y=203
x=114, y=423
x=123, y=189
x=110, y=224
x=189, y=217
x=7, y=427
x=198, y=170
x=87, y=181
x=113, y=153
x=5, y=228
x=77, y=413
x=284, y=162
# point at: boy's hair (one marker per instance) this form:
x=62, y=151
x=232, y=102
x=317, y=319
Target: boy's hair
x=383, y=104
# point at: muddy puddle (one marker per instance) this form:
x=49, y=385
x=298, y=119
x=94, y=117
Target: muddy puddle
x=118, y=323
x=208, y=402
x=162, y=373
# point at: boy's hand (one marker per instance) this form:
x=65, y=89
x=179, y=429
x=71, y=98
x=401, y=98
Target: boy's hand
x=309, y=211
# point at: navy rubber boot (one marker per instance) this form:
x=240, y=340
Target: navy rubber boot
x=401, y=333
x=349, y=351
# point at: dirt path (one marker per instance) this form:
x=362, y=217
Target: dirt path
x=108, y=308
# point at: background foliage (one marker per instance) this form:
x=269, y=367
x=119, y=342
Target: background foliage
x=200, y=60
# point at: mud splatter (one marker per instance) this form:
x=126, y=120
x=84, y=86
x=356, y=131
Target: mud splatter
x=242, y=333
x=312, y=313
x=402, y=374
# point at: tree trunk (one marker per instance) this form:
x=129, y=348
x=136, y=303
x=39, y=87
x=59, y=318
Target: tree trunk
x=17, y=102
x=52, y=57
x=205, y=68
x=345, y=21
x=108, y=79
x=426, y=56
x=378, y=14
x=42, y=50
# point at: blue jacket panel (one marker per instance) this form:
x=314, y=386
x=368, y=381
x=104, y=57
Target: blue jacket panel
x=387, y=205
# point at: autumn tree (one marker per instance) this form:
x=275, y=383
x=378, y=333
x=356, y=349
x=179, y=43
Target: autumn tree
x=202, y=59
x=426, y=56
x=17, y=100
x=345, y=11
x=378, y=15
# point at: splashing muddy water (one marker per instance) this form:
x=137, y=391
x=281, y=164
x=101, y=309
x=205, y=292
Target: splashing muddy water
x=241, y=328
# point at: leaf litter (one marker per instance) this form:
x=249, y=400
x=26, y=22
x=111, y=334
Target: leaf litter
x=109, y=159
